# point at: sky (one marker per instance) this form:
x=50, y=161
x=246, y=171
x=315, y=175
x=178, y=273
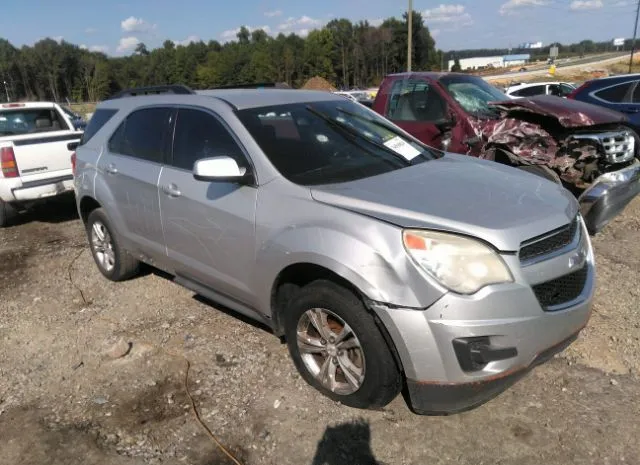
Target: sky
x=115, y=27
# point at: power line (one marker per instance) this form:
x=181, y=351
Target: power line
x=633, y=43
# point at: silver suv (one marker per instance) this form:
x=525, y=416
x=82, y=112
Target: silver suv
x=382, y=262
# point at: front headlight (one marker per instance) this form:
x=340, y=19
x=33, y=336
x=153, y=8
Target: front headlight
x=460, y=264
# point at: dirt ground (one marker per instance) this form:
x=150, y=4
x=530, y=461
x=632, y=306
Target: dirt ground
x=92, y=372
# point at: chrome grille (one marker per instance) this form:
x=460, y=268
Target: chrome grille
x=617, y=147
x=548, y=243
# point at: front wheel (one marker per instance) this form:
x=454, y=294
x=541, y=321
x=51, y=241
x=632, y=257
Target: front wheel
x=338, y=348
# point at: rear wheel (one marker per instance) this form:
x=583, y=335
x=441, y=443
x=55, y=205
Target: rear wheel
x=113, y=261
x=338, y=348
x=7, y=213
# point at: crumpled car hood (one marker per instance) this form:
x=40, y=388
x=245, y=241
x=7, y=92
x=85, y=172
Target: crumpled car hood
x=570, y=113
x=501, y=205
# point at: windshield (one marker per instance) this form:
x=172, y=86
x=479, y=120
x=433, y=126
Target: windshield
x=331, y=142
x=473, y=94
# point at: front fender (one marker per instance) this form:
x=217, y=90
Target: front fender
x=369, y=266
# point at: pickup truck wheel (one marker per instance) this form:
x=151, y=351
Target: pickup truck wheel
x=113, y=261
x=337, y=347
x=541, y=171
x=7, y=213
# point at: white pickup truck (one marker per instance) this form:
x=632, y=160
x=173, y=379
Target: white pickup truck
x=34, y=154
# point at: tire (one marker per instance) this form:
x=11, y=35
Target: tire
x=374, y=380
x=7, y=214
x=115, y=263
x=541, y=171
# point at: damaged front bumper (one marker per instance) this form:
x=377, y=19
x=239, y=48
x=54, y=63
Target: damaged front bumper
x=608, y=196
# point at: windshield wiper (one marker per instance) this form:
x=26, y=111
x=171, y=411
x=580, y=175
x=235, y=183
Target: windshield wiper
x=356, y=134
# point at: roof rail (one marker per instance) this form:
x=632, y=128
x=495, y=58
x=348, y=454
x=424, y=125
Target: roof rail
x=153, y=90
x=257, y=85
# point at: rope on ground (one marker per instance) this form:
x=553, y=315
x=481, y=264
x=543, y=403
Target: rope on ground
x=202, y=423
x=84, y=299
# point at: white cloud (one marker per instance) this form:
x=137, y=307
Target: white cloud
x=58, y=38
x=273, y=14
x=127, y=43
x=455, y=14
x=301, y=26
x=90, y=30
x=511, y=5
x=133, y=24
x=231, y=34
x=188, y=40
x=376, y=22
x=586, y=5
x=99, y=48
x=83, y=47
x=435, y=32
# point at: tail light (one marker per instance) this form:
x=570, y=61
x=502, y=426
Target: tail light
x=73, y=163
x=573, y=94
x=8, y=162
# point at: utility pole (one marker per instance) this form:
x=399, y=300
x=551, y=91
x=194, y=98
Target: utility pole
x=410, y=36
x=635, y=32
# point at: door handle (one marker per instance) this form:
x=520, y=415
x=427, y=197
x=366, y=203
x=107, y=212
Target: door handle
x=171, y=190
x=631, y=110
x=111, y=169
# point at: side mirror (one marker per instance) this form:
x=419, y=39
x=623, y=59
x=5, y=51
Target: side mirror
x=447, y=124
x=218, y=169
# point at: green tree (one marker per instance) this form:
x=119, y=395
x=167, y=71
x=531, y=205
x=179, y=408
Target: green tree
x=317, y=54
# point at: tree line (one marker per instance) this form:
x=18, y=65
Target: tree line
x=345, y=53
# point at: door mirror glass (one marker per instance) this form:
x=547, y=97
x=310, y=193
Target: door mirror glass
x=218, y=169
x=447, y=123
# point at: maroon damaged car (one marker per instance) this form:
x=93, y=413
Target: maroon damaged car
x=591, y=150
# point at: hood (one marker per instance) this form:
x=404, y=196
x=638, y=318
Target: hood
x=501, y=205
x=570, y=113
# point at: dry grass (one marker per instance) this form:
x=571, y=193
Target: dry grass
x=83, y=108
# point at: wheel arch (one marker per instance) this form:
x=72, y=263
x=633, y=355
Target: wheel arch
x=86, y=205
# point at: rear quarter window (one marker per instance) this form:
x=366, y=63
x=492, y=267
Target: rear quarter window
x=614, y=94
x=97, y=121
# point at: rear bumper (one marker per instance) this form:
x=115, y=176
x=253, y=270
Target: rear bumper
x=15, y=190
x=608, y=196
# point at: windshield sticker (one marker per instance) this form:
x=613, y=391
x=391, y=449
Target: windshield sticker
x=402, y=147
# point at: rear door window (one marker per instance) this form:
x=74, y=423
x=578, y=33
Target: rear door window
x=144, y=134
x=97, y=121
x=30, y=121
x=200, y=135
x=530, y=91
x=615, y=94
x=415, y=100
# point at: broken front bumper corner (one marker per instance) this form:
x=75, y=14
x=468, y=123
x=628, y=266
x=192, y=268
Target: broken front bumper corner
x=608, y=196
